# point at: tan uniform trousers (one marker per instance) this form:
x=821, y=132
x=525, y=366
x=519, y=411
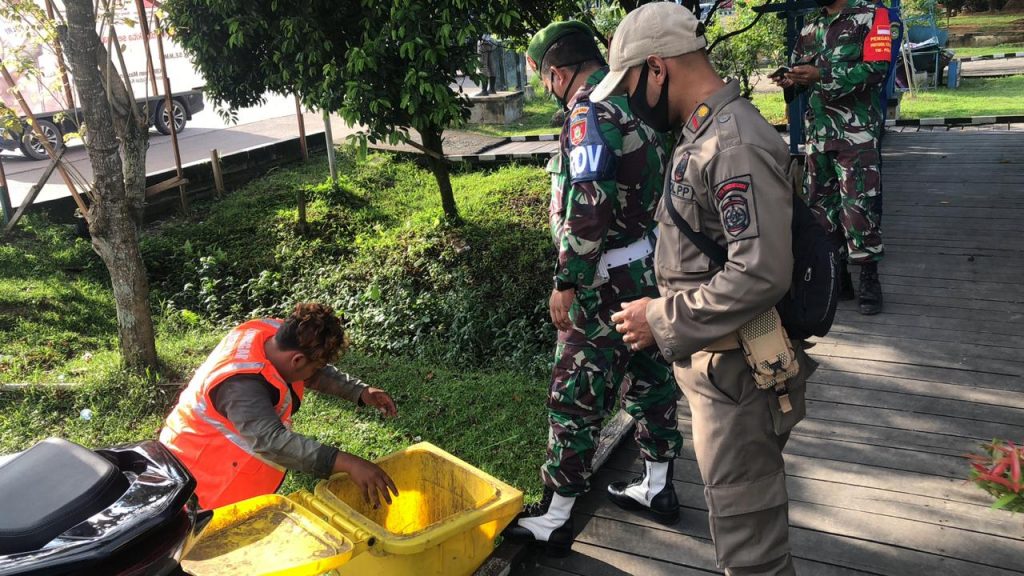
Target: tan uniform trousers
x=739, y=455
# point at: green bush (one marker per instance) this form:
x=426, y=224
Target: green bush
x=740, y=56
x=405, y=282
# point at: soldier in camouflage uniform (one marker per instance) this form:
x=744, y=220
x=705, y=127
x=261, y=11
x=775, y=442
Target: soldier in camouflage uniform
x=605, y=185
x=844, y=122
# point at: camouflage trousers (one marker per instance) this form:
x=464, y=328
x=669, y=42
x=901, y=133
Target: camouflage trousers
x=591, y=362
x=844, y=192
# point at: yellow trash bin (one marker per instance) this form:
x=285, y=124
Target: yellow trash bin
x=443, y=523
x=267, y=536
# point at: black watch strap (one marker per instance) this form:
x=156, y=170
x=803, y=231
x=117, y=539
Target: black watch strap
x=561, y=285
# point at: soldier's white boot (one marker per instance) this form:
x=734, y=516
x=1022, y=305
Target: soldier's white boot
x=548, y=521
x=652, y=492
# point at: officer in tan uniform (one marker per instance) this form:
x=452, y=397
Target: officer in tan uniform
x=729, y=179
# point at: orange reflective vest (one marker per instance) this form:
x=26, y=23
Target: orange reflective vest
x=226, y=468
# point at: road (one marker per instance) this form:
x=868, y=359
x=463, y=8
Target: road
x=271, y=122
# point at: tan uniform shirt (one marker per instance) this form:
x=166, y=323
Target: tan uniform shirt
x=729, y=178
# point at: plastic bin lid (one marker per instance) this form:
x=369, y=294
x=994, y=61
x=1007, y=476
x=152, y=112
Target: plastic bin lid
x=267, y=535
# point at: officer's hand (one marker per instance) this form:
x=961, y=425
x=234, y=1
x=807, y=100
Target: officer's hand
x=380, y=400
x=368, y=476
x=782, y=81
x=804, y=75
x=559, y=308
x=632, y=322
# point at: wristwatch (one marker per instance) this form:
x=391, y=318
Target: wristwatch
x=561, y=285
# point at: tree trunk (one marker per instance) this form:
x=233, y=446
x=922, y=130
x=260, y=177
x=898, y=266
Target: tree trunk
x=115, y=217
x=439, y=166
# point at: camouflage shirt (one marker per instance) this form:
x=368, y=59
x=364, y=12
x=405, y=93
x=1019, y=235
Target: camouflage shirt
x=605, y=182
x=844, y=108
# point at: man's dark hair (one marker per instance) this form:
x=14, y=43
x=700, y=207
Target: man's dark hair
x=314, y=330
x=572, y=49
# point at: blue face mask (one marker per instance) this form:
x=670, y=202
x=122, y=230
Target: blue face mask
x=656, y=117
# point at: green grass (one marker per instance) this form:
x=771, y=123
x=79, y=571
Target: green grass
x=986, y=50
x=536, y=119
x=57, y=315
x=984, y=22
x=493, y=419
x=975, y=97
x=771, y=105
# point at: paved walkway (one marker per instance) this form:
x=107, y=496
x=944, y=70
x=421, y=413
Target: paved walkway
x=876, y=471
x=989, y=68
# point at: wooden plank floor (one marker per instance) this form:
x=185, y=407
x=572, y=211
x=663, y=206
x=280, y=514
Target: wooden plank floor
x=876, y=473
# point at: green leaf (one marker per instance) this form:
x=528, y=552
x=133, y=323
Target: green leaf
x=1004, y=501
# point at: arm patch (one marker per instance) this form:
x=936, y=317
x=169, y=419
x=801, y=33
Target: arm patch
x=878, y=44
x=590, y=157
x=737, y=208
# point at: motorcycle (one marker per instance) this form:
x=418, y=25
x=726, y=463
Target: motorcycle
x=123, y=511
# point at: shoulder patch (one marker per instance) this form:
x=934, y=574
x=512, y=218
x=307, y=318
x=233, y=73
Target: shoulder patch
x=737, y=208
x=579, y=111
x=577, y=131
x=590, y=157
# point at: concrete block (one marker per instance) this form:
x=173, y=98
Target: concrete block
x=500, y=108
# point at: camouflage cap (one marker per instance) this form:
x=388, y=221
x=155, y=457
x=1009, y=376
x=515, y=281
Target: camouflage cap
x=542, y=40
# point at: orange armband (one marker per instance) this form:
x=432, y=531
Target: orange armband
x=878, y=44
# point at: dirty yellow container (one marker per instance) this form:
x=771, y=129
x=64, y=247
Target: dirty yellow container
x=268, y=536
x=443, y=522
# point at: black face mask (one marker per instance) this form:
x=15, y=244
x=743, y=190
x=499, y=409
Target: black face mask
x=564, y=98
x=824, y=3
x=656, y=117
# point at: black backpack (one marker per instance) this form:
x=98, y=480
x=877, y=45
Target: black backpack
x=809, y=307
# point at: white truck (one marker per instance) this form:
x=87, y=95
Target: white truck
x=45, y=94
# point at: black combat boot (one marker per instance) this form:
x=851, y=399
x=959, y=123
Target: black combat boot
x=845, y=283
x=492, y=84
x=548, y=522
x=653, y=492
x=870, y=298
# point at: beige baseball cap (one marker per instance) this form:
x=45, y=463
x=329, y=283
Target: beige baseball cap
x=663, y=29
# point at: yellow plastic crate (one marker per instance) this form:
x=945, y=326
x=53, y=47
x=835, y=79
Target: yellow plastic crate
x=267, y=536
x=443, y=522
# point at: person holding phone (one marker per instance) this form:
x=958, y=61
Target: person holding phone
x=842, y=59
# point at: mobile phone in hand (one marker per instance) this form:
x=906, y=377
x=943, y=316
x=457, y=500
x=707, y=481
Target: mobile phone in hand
x=780, y=72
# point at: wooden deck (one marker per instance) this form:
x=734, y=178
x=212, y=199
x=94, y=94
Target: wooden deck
x=876, y=473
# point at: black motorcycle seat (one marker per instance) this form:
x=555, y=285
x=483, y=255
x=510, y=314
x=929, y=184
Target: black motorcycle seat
x=50, y=488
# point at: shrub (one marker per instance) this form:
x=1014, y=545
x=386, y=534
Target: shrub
x=998, y=472
x=405, y=282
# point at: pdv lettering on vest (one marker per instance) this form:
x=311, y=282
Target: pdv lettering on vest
x=590, y=157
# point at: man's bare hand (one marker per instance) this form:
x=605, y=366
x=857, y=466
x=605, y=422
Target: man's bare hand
x=380, y=400
x=631, y=321
x=804, y=75
x=373, y=482
x=782, y=81
x=559, y=306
